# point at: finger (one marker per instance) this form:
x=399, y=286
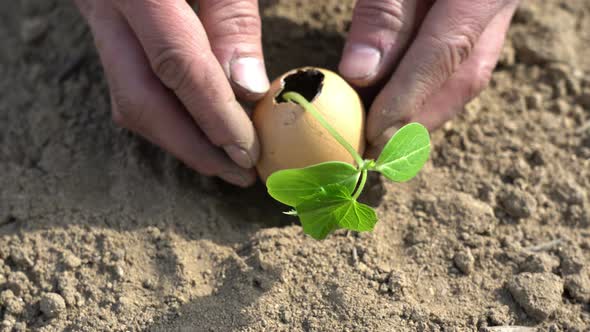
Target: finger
x=179, y=54
x=234, y=31
x=445, y=40
x=379, y=33
x=471, y=78
x=142, y=104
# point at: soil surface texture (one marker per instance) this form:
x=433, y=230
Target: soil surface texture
x=101, y=231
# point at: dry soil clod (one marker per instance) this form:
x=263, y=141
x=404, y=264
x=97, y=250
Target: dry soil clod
x=517, y=203
x=539, y=294
x=52, y=305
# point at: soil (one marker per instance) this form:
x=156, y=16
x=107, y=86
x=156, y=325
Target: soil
x=101, y=231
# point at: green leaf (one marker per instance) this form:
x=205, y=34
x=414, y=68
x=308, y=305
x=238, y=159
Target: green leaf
x=334, y=208
x=292, y=186
x=405, y=153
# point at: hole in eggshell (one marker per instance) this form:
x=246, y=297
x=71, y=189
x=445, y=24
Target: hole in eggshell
x=306, y=82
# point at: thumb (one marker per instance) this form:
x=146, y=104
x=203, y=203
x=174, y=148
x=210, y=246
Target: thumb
x=234, y=31
x=379, y=34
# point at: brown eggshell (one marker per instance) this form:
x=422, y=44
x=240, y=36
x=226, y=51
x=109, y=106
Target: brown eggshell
x=290, y=137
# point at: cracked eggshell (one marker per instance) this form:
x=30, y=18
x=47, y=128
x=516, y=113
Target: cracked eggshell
x=290, y=137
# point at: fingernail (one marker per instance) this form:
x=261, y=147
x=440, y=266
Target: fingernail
x=249, y=73
x=239, y=156
x=235, y=178
x=360, y=61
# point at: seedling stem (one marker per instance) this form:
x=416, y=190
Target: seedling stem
x=361, y=185
x=299, y=99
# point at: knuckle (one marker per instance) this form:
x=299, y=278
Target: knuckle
x=456, y=49
x=382, y=14
x=172, y=67
x=243, y=24
x=233, y=18
x=126, y=110
x=239, y=23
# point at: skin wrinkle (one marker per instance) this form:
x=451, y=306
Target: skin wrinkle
x=435, y=66
x=480, y=66
x=458, y=48
x=464, y=25
x=173, y=68
x=239, y=25
x=382, y=14
x=178, y=38
x=208, y=99
x=177, y=42
x=455, y=47
x=243, y=18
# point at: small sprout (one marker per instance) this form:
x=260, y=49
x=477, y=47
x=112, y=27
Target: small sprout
x=324, y=196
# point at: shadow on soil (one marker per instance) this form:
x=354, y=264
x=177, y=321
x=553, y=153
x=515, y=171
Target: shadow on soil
x=88, y=173
x=225, y=309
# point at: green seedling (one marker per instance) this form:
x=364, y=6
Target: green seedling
x=324, y=196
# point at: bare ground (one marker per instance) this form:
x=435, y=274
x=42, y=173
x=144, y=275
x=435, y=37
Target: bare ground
x=100, y=231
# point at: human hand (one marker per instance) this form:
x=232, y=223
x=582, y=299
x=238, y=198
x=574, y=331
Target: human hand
x=174, y=76
x=433, y=57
